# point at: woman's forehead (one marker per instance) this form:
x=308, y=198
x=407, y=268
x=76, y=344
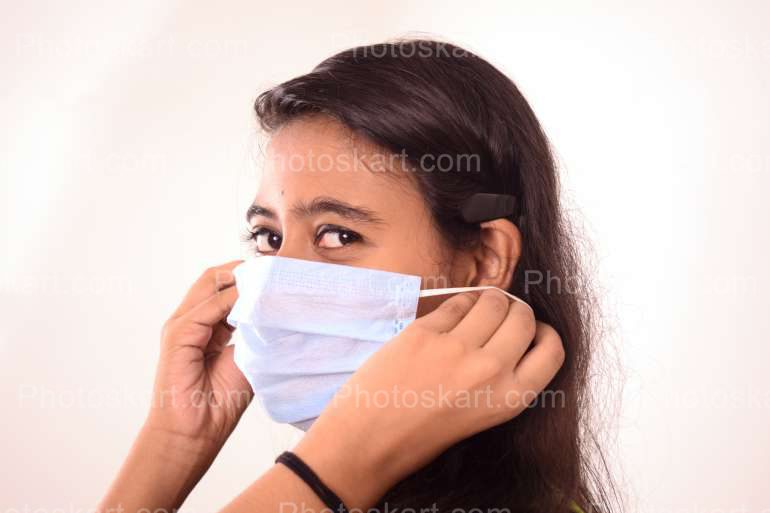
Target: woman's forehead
x=319, y=133
x=319, y=156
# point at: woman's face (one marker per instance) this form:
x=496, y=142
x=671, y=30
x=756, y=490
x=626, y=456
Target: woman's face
x=326, y=195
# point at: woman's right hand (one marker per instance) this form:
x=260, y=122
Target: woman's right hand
x=199, y=392
x=454, y=372
x=198, y=398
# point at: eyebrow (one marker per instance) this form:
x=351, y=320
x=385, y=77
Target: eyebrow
x=319, y=205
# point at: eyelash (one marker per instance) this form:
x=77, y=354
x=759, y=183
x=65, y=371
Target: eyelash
x=252, y=234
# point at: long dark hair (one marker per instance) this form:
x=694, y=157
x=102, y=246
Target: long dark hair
x=424, y=97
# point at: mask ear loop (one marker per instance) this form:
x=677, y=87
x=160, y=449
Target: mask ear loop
x=455, y=290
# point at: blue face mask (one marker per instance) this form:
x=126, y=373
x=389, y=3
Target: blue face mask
x=304, y=327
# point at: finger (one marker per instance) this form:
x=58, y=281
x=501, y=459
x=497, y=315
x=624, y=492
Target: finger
x=449, y=313
x=213, y=279
x=212, y=310
x=513, y=336
x=233, y=379
x=221, y=335
x=483, y=319
x=541, y=363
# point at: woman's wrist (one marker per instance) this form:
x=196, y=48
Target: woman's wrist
x=192, y=455
x=161, y=469
x=359, y=473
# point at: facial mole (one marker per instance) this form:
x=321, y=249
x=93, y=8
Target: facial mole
x=281, y=192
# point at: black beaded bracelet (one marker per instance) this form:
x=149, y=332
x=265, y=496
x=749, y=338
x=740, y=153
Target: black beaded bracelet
x=305, y=473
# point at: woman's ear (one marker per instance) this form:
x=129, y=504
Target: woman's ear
x=497, y=255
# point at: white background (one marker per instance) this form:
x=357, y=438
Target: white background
x=125, y=143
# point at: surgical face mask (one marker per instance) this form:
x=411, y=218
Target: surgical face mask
x=304, y=327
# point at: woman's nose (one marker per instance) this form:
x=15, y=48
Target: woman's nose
x=296, y=247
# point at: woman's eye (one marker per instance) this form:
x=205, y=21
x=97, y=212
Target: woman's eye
x=331, y=238
x=266, y=240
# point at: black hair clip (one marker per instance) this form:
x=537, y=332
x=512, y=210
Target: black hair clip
x=482, y=207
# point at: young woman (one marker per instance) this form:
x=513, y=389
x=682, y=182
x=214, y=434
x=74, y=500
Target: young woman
x=373, y=159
